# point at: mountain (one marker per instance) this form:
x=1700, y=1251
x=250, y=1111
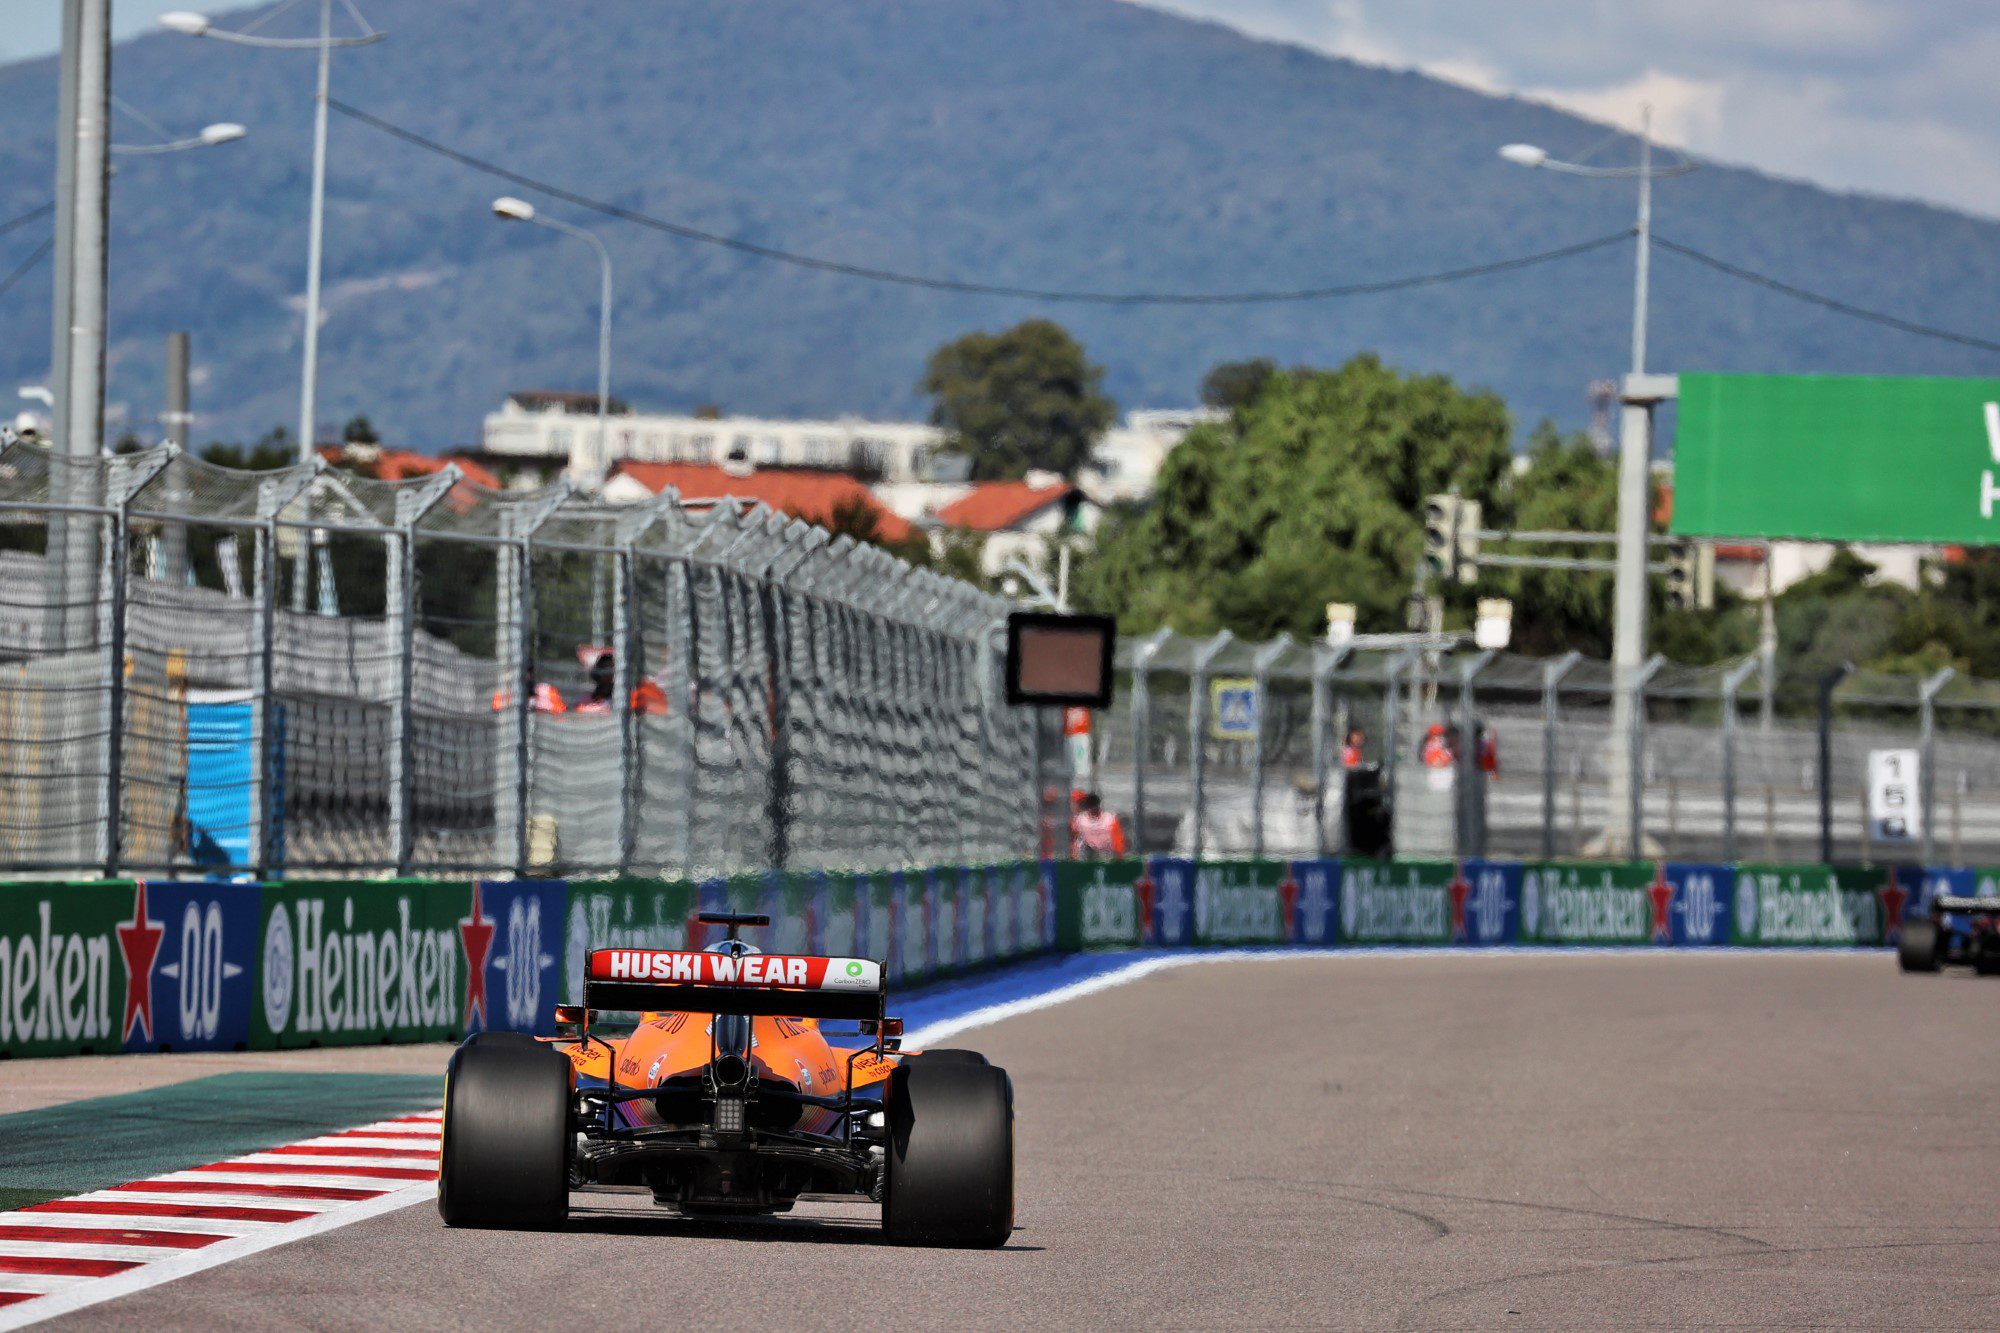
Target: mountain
x=1047, y=143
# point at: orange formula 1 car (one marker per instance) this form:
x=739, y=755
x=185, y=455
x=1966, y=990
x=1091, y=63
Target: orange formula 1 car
x=727, y=1099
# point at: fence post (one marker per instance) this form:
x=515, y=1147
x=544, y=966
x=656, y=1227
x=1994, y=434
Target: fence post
x=527, y=523
x=1326, y=661
x=1927, y=756
x=626, y=641
x=1392, y=722
x=1732, y=681
x=1827, y=684
x=1552, y=679
x=275, y=494
x=806, y=541
x=114, y=740
x=399, y=621
x=1468, y=829
x=1142, y=728
x=1197, y=712
x=1636, y=774
x=1260, y=668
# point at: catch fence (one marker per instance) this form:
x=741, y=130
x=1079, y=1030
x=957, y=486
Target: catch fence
x=222, y=671
x=1713, y=768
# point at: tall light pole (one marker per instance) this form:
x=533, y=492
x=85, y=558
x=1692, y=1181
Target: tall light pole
x=197, y=25
x=510, y=209
x=1628, y=638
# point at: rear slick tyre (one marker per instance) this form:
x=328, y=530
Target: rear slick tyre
x=1917, y=947
x=503, y=1158
x=950, y=1158
x=950, y=1055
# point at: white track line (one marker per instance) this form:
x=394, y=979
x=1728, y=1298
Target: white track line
x=933, y=1033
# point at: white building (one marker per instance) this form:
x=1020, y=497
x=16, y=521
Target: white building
x=548, y=426
x=906, y=460
x=1129, y=457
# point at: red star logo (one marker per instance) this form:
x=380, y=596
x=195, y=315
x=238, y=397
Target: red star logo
x=1288, y=900
x=1146, y=891
x=1892, y=896
x=1459, y=891
x=475, y=932
x=139, y=940
x=1662, y=894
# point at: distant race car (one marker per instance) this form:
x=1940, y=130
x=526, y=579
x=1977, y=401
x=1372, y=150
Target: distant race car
x=727, y=1100
x=1960, y=931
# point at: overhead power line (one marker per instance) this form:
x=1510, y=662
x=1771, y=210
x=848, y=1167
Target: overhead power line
x=38, y=211
x=965, y=286
x=1819, y=299
x=25, y=266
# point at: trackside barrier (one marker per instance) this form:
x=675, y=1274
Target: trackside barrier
x=148, y=965
x=1483, y=903
x=152, y=965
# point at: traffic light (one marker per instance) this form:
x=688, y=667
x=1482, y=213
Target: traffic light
x=1451, y=538
x=1691, y=576
x=1440, y=534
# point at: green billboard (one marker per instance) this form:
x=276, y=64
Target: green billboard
x=1838, y=458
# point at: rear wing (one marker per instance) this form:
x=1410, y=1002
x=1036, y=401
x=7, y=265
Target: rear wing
x=1946, y=902
x=772, y=985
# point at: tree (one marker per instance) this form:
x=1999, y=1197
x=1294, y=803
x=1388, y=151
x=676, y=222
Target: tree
x=274, y=450
x=360, y=430
x=1563, y=485
x=1234, y=385
x=1308, y=494
x=1026, y=398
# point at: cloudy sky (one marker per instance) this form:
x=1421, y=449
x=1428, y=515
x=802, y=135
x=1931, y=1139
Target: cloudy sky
x=1896, y=97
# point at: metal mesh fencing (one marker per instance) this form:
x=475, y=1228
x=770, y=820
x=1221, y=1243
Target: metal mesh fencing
x=215, y=671
x=1495, y=754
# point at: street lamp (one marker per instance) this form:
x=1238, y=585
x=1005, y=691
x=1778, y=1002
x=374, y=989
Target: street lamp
x=197, y=25
x=509, y=209
x=1628, y=638
x=220, y=133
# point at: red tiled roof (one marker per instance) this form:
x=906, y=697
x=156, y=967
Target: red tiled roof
x=807, y=493
x=995, y=506
x=401, y=465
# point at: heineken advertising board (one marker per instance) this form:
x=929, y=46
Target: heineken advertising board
x=125, y=966
x=345, y=961
x=1243, y=902
x=1823, y=905
x=1838, y=458
x=1101, y=903
x=1590, y=903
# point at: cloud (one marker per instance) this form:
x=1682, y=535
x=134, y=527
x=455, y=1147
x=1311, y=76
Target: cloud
x=1689, y=112
x=1877, y=95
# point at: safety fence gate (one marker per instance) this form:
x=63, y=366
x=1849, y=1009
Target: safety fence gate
x=224, y=671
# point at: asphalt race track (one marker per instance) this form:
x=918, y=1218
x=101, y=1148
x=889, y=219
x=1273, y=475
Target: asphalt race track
x=1441, y=1141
